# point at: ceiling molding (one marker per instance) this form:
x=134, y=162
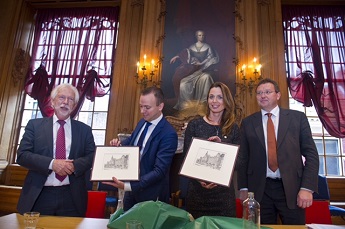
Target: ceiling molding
x=71, y=3
x=314, y=2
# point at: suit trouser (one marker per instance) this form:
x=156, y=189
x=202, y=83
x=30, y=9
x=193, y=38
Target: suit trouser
x=56, y=200
x=273, y=204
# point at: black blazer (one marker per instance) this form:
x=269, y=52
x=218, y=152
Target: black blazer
x=294, y=140
x=36, y=152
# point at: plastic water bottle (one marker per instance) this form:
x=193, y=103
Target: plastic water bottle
x=251, y=212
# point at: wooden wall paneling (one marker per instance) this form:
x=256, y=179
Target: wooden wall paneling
x=247, y=39
x=153, y=28
x=16, y=37
x=15, y=175
x=259, y=34
x=336, y=188
x=123, y=92
x=271, y=45
x=9, y=196
x=139, y=31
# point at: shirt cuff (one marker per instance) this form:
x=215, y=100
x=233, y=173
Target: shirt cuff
x=51, y=165
x=127, y=186
x=307, y=190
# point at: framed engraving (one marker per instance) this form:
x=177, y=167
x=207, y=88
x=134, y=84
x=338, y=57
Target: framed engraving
x=119, y=162
x=210, y=161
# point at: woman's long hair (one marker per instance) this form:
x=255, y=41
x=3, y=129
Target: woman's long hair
x=228, y=116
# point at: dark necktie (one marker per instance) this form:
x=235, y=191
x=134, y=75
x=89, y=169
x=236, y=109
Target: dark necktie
x=60, y=146
x=142, y=136
x=271, y=144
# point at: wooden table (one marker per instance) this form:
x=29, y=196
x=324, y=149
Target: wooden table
x=286, y=226
x=16, y=221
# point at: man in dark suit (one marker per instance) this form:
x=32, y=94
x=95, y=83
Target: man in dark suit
x=56, y=186
x=286, y=189
x=156, y=150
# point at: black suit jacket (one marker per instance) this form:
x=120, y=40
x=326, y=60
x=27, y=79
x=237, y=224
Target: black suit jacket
x=36, y=152
x=294, y=140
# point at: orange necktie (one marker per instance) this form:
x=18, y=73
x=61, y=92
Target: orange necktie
x=271, y=144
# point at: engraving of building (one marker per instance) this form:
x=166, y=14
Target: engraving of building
x=214, y=162
x=121, y=163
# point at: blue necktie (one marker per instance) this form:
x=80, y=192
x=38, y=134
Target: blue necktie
x=142, y=136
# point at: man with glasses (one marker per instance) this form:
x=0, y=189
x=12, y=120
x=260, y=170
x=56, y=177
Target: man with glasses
x=157, y=141
x=280, y=159
x=58, y=151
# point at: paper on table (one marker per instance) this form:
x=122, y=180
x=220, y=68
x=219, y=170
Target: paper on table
x=324, y=226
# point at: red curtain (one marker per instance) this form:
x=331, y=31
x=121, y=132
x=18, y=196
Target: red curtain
x=315, y=50
x=74, y=45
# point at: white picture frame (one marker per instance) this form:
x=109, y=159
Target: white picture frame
x=210, y=161
x=120, y=162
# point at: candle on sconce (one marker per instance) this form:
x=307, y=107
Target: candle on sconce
x=258, y=68
x=255, y=66
x=145, y=60
x=152, y=65
x=138, y=64
x=243, y=70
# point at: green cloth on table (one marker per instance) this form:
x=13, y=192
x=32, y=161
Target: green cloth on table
x=152, y=215
x=159, y=215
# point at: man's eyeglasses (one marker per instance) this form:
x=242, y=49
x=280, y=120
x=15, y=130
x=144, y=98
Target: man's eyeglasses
x=264, y=92
x=63, y=98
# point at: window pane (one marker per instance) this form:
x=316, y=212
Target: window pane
x=87, y=105
x=101, y=103
x=30, y=103
x=332, y=166
x=27, y=115
x=310, y=111
x=22, y=129
x=319, y=146
x=322, y=165
x=315, y=126
x=294, y=105
x=331, y=146
x=99, y=120
x=85, y=117
x=99, y=136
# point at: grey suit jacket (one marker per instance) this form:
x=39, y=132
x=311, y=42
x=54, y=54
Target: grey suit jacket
x=294, y=140
x=36, y=152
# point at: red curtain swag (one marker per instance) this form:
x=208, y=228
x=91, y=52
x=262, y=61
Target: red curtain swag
x=315, y=45
x=69, y=46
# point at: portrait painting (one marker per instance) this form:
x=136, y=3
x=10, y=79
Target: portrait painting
x=198, y=49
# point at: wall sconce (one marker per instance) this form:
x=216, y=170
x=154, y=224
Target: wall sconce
x=250, y=75
x=146, y=72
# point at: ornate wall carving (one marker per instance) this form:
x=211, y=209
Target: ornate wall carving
x=20, y=66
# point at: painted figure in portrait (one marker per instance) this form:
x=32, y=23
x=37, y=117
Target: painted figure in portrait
x=193, y=76
x=199, y=49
